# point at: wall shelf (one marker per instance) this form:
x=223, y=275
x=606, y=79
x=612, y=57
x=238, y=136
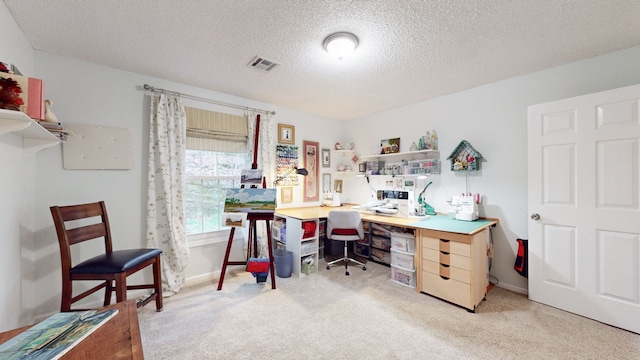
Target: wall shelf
x=35, y=137
x=344, y=152
x=409, y=155
x=411, y=163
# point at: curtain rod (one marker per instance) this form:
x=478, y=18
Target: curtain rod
x=197, y=98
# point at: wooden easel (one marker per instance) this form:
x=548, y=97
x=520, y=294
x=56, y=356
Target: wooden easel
x=252, y=246
x=252, y=241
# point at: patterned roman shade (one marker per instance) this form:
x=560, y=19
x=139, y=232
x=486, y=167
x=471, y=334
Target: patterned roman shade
x=214, y=131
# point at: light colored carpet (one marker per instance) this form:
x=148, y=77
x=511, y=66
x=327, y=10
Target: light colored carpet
x=365, y=315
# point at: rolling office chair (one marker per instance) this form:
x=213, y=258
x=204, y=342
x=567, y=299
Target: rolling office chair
x=345, y=226
x=109, y=266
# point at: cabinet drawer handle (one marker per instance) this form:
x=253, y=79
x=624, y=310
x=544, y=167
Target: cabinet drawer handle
x=444, y=265
x=444, y=240
x=444, y=277
x=445, y=252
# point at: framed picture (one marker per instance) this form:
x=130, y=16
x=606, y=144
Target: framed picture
x=326, y=182
x=399, y=183
x=408, y=183
x=390, y=146
x=286, y=134
x=286, y=194
x=337, y=186
x=311, y=153
x=326, y=158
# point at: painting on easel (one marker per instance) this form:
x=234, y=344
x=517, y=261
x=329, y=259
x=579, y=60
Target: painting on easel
x=251, y=177
x=241, y=201
x=246, y=200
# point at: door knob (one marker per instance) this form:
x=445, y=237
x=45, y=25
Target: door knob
x=535, y=216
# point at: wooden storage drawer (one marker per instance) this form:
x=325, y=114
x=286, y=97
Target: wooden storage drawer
x=445, y=245
x=447, y=271
x=451, y=290
x=458, y=261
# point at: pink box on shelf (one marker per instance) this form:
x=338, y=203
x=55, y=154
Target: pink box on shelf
x=22, y=93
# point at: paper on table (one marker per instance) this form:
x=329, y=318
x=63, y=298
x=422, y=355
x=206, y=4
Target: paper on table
x=55, y=336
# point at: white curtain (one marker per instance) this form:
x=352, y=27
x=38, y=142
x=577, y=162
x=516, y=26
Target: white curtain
x=266, y=161
x=165, y=204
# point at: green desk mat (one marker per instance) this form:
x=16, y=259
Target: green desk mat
x=445, y=223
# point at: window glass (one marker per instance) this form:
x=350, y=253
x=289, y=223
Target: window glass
x=208, y=175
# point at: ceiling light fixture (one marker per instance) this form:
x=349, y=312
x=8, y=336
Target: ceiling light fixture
x=340, y=44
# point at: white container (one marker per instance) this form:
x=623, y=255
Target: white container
x=403, y=242
x=402, y=259
x=308, y=247
x=403, y=276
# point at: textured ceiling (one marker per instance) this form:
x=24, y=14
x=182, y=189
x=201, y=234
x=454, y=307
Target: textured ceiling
x=409, y=50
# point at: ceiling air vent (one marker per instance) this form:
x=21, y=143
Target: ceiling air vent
x=263, y=64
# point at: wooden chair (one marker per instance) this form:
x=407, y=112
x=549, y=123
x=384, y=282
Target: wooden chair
x=112, y=267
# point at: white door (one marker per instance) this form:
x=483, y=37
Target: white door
x=584, y=204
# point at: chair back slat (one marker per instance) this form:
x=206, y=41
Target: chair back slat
x=75, y=212
x=85, y=233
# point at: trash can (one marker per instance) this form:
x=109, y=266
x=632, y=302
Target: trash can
x=284, y=262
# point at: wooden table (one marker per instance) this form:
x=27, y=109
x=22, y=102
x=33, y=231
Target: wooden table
x=119, y=338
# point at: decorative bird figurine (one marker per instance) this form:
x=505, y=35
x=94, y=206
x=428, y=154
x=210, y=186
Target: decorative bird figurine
x=48, y=114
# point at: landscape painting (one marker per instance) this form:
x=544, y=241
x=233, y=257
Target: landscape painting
x=250, y=200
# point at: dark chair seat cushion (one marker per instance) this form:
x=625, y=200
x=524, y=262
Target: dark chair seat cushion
x=115, y=262
x=344, y=232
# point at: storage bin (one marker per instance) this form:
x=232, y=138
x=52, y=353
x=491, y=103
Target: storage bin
x=403, y=242
x=308, y=265
x=380, y=256
x=403, y=276
x=402, y=259
x=309, y=229
x=308, y=247
x=278, y=231
x=381, y=242
x=361, y=250
x=426, y=166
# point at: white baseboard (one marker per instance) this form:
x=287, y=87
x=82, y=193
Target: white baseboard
x=200, y=278
x=513, y=288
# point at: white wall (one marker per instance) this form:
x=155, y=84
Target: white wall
x=16, y=182
x=493, y=118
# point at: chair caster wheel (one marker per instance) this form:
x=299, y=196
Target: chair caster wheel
x=364, y=268
x=328, y=267
x=346, y=273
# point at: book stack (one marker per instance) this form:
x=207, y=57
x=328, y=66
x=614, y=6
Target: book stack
x=56, y=129
x=54, y=336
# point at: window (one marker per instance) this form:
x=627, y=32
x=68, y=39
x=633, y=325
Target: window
x=216, y=154
x=208, y=175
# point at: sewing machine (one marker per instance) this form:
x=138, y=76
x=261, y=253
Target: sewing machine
x=331, y=199
x=390, y=203
x=467, y=209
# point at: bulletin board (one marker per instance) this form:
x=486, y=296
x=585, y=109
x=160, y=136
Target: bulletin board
x=97, y=147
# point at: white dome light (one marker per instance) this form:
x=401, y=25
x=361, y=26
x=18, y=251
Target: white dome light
x=340, y=44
